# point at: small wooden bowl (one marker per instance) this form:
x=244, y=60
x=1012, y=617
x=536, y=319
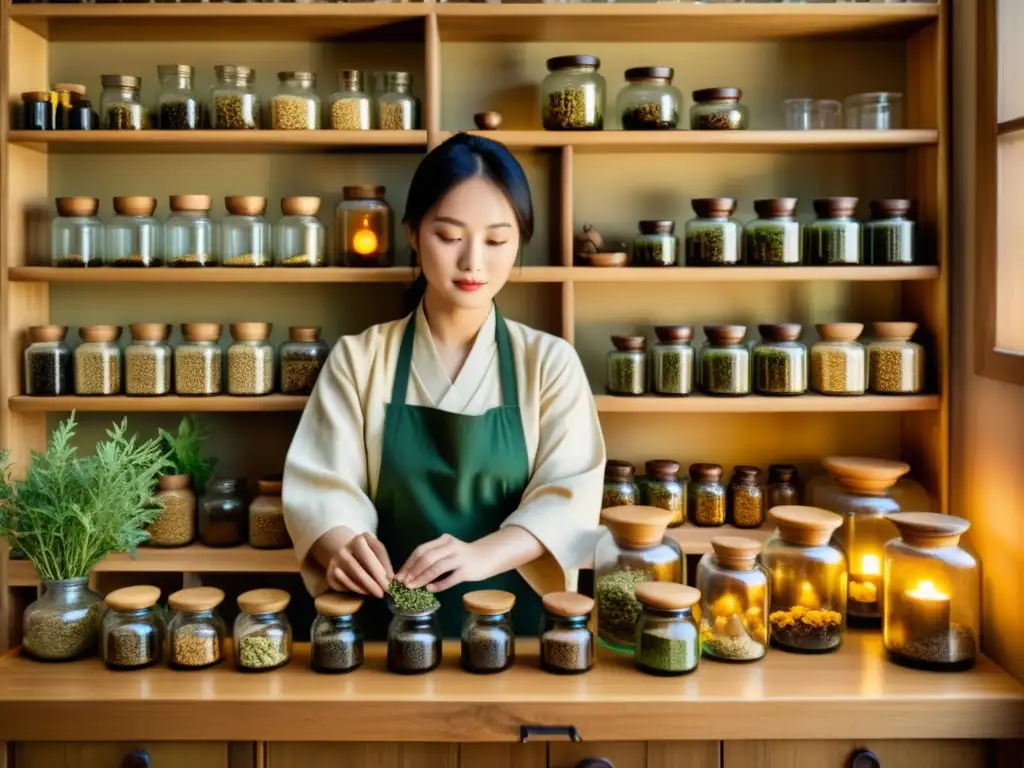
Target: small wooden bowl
x=487, y=121
x=606, y=259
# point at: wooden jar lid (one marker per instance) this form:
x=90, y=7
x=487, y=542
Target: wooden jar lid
x=736, y=552
x=809, y=526
x=629, y=343
x=307, y=334
x=929, y=529
x=251, y=331
x=636, y=526
x=666, y=595
x=300, y=206
x=893, y=331
x=95, y=333
x=201, y=331
x=677, y=333
x=195, y=203
x=245, y=205
x=174, y=482
x=263, y=601
x=872, y=476
x=133, y=598
x=77, y=206
x=780, y=331
x=488, y=602
x=47, y=333
x=567, y=604
x=134, y=205
x=150, y=331
x=840, y=331
x=269, y=486
x=725, y=335
x=196, y=599
x=337, y=604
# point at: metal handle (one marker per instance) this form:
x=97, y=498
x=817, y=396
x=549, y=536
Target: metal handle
x=865, y=758
x=138, y=759
x=596, y=762
x=569, y=731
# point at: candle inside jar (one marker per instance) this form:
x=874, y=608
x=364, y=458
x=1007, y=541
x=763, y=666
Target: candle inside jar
x=927, y=611
x=864, y=585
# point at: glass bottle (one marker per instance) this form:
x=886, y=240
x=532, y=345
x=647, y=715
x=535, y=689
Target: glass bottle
x=619, y=485
x=295, y=106
x=364, y=228
x=706, y=495
x=834, y=237
x=780, y=360
x=488, y=642
x=266, y=518
x=808, y=580
x=633, y=550
x=351, y=108
x=120, y=104
x=48, y=369
x=299, y=235
x=175, y=526
x=196, y=631
x=132, y=629
x=414, y=641
x=745, y=501
x=250, y=360
x=147, y=360
x=77, y=233
x=262, y=633
x=566, y=640
x=734, y=600
x=656, y=245
x=672, y=360
x=223, y=514
x=189, y=232
x=64, y=623
x=718, y=109
x=773, y=238
x=133, y=235
x=714, y=238
x=663, y=489
x=36, y=111
x=667, y=637
x=397, y=108
x=889, y=235
x=68, y=95
x=874, y=111
x=245, y=235
x=572, y=94
x=302, y=358
x=234, y=103
x=725, y=361
x=627, y=366
x=895, y=363
x=336, y=637
x=932, y=594
x=98, y=361
x=649, y=102
x=197, y=361
x=838, y=360
x=783, y=488
x=179, y=108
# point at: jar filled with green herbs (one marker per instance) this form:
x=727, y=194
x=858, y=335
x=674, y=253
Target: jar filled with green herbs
x=773, y=238
x=572, y=95
x=706, y=495
x=650, y=102
x=672, y=360
x=663, y=489
x=120, y=104
x=566, y=640
x=619, y=484
x=488, y=642
x=780, y=360
x=656, y=245
x=713, y=238
x=414, y=634
x=718, y=109
x=744, y=499
x=895, y=363
x=783, y=489
x=833, y=238
x=725, y=361
x=889, y=236
x=838, y=360
x=667, y=637
x=263, y=635
x=627, y=366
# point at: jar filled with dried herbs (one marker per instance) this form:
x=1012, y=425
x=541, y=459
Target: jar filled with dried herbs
x=414, y=634
x=245, y=236
x=667, y=637
x=198, y=361
x=133, y=630
x=397, y=108
x=175, y=526
x=196, y=631
x=572, y=95
x=889, y=236
x=250, y=360
x=706, y=495
x=133, y=236
x=627, y=366
x=619, y=486
x=336, y=638
x=98, y=361
x=713, y=238
x=649, y=102
x=488, y=642
x=121, y=105
x=295, y=106
x=566, y=640
x=299, y=235
x=179, y=109
x=656, y=245
x=838, y=360
x=147, y=360
x=351, y=108
x=48, y=361
x=234, y=103
x=302, y=358
x=663, y=489
x=780, y=360
x=718, y=109
x=672, y=360
x=725, y=361
x=76, y=234
x=834, y=237
x=266, y=518
x=223, y=513
x=783, y=489
x=262, y=633
x=734, y=601
x=773, y=238
x=895, y=363
x=744, y=499
x=189, y=232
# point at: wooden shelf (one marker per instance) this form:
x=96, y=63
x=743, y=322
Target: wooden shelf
x=748, y=274
x=169, y=404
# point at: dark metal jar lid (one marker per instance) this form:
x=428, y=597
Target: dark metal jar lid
x=835, y=207
x=781, y=473
x=707, y=473
x=650, y=73
x=662, y=469
x=713, y=207
x=121, y=81
x=775, y=207
x=657, y=227
x=564, y=62
x=717, y=94
x=885, y=209
x=745, y=474
x=619, y=471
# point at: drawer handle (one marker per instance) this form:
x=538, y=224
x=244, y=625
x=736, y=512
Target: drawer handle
x=137, y=759
x=596, y=762
x=865, y=758
x=569, y=731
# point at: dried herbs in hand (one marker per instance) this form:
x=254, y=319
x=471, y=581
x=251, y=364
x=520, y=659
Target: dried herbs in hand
x=411, y=601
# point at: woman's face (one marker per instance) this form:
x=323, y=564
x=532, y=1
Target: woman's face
x=467, y=244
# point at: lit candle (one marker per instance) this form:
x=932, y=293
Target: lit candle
x=808, y=597
x=927, y=611
x=364, y=241
x=864, y=585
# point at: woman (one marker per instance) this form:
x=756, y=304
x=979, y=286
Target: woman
x=461, y=448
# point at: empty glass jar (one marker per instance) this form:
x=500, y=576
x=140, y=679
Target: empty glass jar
x=627, y=366
x=414, y=641
x=295, y=106
x=745, y=501
x=336, y=638
x=98, y=361
x=572, y=94
x=262, y=633
x=120, y=105
x=733, y=600
x=175, y=525
x=663, y=489
x=649, y=102
x=250, y=360
x=773, y=238
x=223, y=514
x=706, y=495
x=189, y=232
x=838, y=360
x=234, y=103
x=64, y=623
x=244, y=233
x=76, y=233
x=397, y=108
x=619, y=484
x=672, y=360
x=364, y=228
x=656, y=245
x=299, y=235
x=133, y=629
x=667, y=637
x=713, y=239
x=725, y=361
x=179, y=109
x=811, y=114
x=566, y=641
x=874, y=111
x=196, y=631
x=133, y=235
x=302, y=358
x=147, y=360
x=266, y=518
x=895, y=363
x=783, y=489
x=198, y=360
x=889, y=236
x=780, y=360
x=834, y=237
x=488, y=642
x=718, y=109
x=48, y=362
x=351, y=108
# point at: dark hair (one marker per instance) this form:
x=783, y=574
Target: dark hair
x=463, y=157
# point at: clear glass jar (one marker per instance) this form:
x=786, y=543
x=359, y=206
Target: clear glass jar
x=619, y=486
x=262, y=633
x=266, y=518
x=725, y=361
x=783, y=489
x=733, y=600
x=133, y=235
x=663, y=489
x=656, y=245
x=932, y=594
x=48, y=369
x=667, y=637
x=198, y=360
x=234, y=103
x=245, y=236
x=414, y=641
x=98, y=361
x=780, y=360
x=838, y=360
x=706, y=495
x=64, y=623
x=336, y=637
x=178, y=106
x=672, y=360
x=874, y=111
x=566, y=640
x=718, y=109
x=196, y=631
x=250, y=360
x=223, y=514
x=649, y=102
x=889, y=236
x=714, y=239
x=175, y=526
x=147, y=360
x=811, y=114
x=397, y=108
x=295, y=106
x=299, y=235
x=627, y=366
x=302, y=358
x=773, y=238
x=189, y=232
x=364, y=227
x=572, y=94
x=488, y=642
x=132, y=628
x=634, y=550
x=120, y=104
x=76, y=233
x=351, y=108
x=745, y=501
x=834, y=237
x=895, y=363
x=808, y=580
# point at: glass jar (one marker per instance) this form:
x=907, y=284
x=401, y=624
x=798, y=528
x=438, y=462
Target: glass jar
x=838, y=361
x=336, y=638
x=932, y=594
x=811, y=114
x=656, y=245
x=874, y=111
x=223, y=514
x=895, y=363
x=663, y=489
x=245, y=235
x=133, y=235
x=834, y=237
x=64, y=623
x=889, y=236
x=179, y=108
x=36, y=111
x=295, y=106
x=733, y=600
x=299, y=234
x=667, y=638
x=234, y=103
x=783, y=488
x=133, y=629
x=649, y=102
x=98, y=361
x=672, y=360
x=488, y=642
x=196, y=631
x=77, y=233
x=48, y=369
x=718, y=109
x=351, y=107
x=65, y=98
x=414, y=641
x=250, y=360
x=780, y=360
x=808, y=580
x=266, y=518
x=120, y=104
x=713, y=239
x=627, y=366
x=197, y=361
x=566, y=640
x=706, y=496
x=80, y=116
x=364, y=228
x=773, y=238
x=262, y=633
x=189, y=232
x=634, y=550
x=619, y=486
x=725, y=361
x=397, y=108
x=175, y=526
x=147, y=360
x=745, y=501
x=572, y=94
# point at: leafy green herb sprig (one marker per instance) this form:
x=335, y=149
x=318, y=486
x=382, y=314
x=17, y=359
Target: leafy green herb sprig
x=186, y=452
x=411, y=601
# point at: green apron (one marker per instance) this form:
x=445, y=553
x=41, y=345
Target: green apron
x=446, y=472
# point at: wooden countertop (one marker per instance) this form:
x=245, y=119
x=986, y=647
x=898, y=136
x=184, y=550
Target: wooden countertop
x=852, y=694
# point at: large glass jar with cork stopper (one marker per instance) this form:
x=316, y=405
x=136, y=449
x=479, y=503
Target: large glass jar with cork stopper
x=234, y=103
x=662, y=488
x=672, y=361
x=262, y=634
x=76, y=233
x=198, y=361
x=667, y=637
x=714, y=238
x=633, y=550
x=733, y=600
x=488, y=642
x=895, y=363
x=889, y=235
x=807, y=575
x=627, y=366
x=773, y=238
x=932, y=606
x=649, y=102
x=250, y=360
x=780, y=360
x=745, y=499
x=299, y=235
x=179, y=108
x=245, y=237
x=833, y=239
x=364, y=227
x=656, y=245
x=98, y=361
x=351, y=108
x=783, y=489
x=706, y=495
x=147, y=360
x=132, y=635
x=48, y=362
x=133, y=235
x=336, y=638
x=572, y=95
x=838, y=361
x=718, y=109
x=295, y=106
x=302, y=358
x=725, y=361
x=619, y=484
x=189, y=232
x=175, y=525
x=223, y=513
x=397, y=108
x=266, y=518
x=121, y=107
x=196, y=632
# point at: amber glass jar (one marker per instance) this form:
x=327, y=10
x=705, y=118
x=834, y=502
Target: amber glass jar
x=223, y=514
x=663, y=489
x=363, y=227
x=175, y=526
x=488, y=642
x=196, y=632
x=706, y=502
x=566, y=640
x=745, y=501
x=734, y=600
x=266, y=518
x=667, y=638
x=133, y=628
x=783, y=489
x=619, y=484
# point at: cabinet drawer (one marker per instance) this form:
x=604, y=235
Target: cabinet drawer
x=636, y=754
x=113, y=754
x=361, y=755
x=838, y=754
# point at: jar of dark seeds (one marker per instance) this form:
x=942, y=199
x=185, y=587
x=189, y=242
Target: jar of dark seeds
x=895, y=363
x=147, y=360
x=336, y=638
x=234, y=103
x=656, y=245
x=64, y=623
x=178, y=107
x=302, y=358
x=649, y=102
x=98, y=361
x=773, y=238
x=262, y=635
x=250, y=360
x=133, y=629
x=48, y=368
x=783, y=487
x=414, y=641
x=667, y=638
x=627, y=366
x=299, y=235
x=725, y=361
x=196, y=632
x=780, y=360
x=397, y=108
x=718, y=109
x=223, y=514
x=189, y=232
x=619, y=486
x=834, y=237
x=663, y=489
x=175, y=526
x=295, y=106
x=197, y=361
x=713, y=238
x=889, y=236
x=266, y=518
x=77, y=234
x=120, y=104
x=488, y=642
x=245, y=238
x=672, y=360
x=745, y=500
x=706, y=495
x=566, y=641
x=838, y=360
x=572, y=94
x=351, y=108
x=133, y=236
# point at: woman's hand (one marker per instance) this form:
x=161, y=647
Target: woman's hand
x=461, y=561
x=361, y=565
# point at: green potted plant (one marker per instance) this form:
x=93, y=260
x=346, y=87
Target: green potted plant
x=67, y=515
x=175, y=526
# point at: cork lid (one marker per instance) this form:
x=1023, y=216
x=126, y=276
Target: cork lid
x=894, y=331
x=174, y=482
x=134, y=205
x=808, y=526
x=871, y=476
x=201, y=331
x=363, y=192
x=678, y=333
x=636, y=527
x=775, y=207
x=780, y=331
x=42, y=96
x=197, y=203
x=736, y=552
x=269, y=486
x=251, y=331
x=94, y=333
x=840, y=331
x=337, y=604
x=657, y=227
x=717, y=94
x=666, y=595
x=133, y=598
x=835, y=207
x=488, y=602
x=300, y=206
x=307, y=334
x=263, y=601
x=650, y=73
x=567, y=604
x=578, y=60
x=887, y=209
x=245, y=205
x=150, y=331
x=725, y=335
x=196, y=599
x=713, y=207
x=47, y=333
x=929, y=529
x=745, y=474
x=619, y=471
x=662, y=469
x=76, y=88
x=629, y=343
x=783, y=473
x=77, y=206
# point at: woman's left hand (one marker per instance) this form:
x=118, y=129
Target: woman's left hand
x=460, y=560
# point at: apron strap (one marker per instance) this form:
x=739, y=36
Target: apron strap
x=401, y=385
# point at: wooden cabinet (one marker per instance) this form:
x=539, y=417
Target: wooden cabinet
x=634, y=754
x=410, y=755
x=112, y=755
x=838, y=754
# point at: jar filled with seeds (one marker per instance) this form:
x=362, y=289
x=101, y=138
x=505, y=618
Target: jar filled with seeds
x=147, y=360
x=838, y=360
x=336, y=638
x=718, y=109
x=619, y=484
x=121, y=105
x=196, y=632
x=725, y=361
x=834, y=237
x=572, y=94
x=175, y=526
x=197, y=361
x=266, y=518
x=663, y=489
x=627, y=366
x=189, y=232
x=76, y=233
x=302, y=358
x=178, y=106
x=889, y=236
x=656, y=245
x=234, y=103
x=98, y=361
x=649, y=102
x=783, y=489
x=780, y=360
x=895, y=363
x=414, y=639
x=223, y=514
x=295, y=107
x=734, y=601
x=250, y=360
x=672, y=360
x=397, y=108
x=133, y=235
x=773, y=238
x=667, y=638
x=351, y=108
x=566, y=640
x=633, y=550
x=262, y=634
x=244, y=233
x=488, y=642
x=364, y=227
x=714, y=238
x=299, y=235
x=706, y=495
x=64, y=623
x=133, y=629
x=744, y=499
x=48, y=368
